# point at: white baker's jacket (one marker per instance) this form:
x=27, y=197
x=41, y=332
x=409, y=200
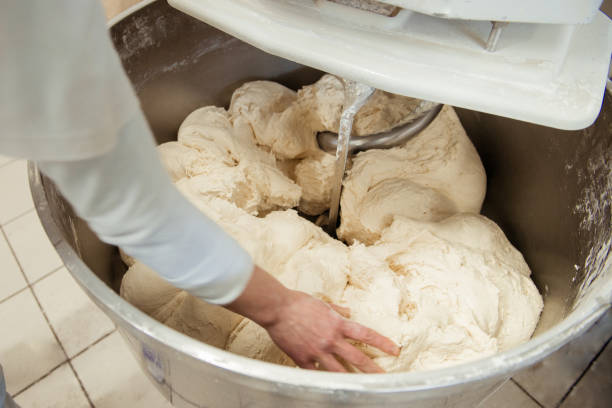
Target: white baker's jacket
x=66, y=103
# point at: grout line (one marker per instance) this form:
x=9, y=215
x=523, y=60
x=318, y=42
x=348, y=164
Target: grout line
x=75, y=372
x=571, y=388
x=46, y=275
x=30, y=284
x=491, y=394
x=42, y=377
x=93, y=344
x=14, y=294
x=30, y=287
x=12, y=251
x=527, y=393
x=76, y=375
x=15, y=218
x=10, y=246
x=58, y=341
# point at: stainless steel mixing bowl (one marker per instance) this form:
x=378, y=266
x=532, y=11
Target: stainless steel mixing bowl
x=548, y=189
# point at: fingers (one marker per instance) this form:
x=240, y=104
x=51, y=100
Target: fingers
x=311, y=365
x=365, y=335
x=330, y=363
x=342, y=311
x=357, y=358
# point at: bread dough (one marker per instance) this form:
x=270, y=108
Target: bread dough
x=315, y=174
x=176, y=308
x=274, y=112
x=418, y=263
x=251, y=340
x=446, y=292
x=217, y=157
x=434, y=175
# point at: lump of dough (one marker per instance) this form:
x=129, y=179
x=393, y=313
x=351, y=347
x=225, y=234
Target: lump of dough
x=287, y=122
x=251, y=340
x=176, y=308
x=220, y=159
x=385, y=110
x=447, y=292
x=321, y=270
x=281, y=235
x=277, y=122
x=498, y=261
x=181, y=161
x=209, y=131
x=257, y=102
x=274, y=240
x=315, y=175
x=441, y=160
x=397, y=196
x=318, y=108
x=450, y=292
x=382, y=112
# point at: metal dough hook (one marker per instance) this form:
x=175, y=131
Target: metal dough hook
x=355, y=96
x=328, y=141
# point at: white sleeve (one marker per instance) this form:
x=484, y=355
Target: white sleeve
x=63, y=92
x=128, y=200
x=66, y=102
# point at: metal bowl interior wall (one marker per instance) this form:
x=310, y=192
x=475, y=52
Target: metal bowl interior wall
x=548, y=190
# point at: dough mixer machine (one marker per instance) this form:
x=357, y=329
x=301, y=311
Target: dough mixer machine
x=178, y=64
x=544, y=62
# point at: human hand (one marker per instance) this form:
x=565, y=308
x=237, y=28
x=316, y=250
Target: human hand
x=312, y=332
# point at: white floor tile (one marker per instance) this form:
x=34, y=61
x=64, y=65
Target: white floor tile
x=60, y=389
x=28, y=349
x=112, y=378
x=594, y=389
x=16, y=198
x=5, y=160
x=11, y=278
x=509, y=396
x=33, y=249
x=549, y=380
x=76, y=320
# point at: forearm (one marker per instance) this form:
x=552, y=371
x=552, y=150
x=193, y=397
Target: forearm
x=128, y=200
x=262, y=299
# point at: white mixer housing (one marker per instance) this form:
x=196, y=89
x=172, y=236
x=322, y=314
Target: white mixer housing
x=549, y=74
x=524, y=11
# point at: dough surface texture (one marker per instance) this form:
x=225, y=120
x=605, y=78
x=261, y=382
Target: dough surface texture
x=434, y=175
x=416, y=262
x=219, y=158
x=176, y=308
x=286, y=123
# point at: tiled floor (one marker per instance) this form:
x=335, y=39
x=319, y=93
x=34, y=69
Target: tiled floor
x=57, y=348
x=61, y=351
